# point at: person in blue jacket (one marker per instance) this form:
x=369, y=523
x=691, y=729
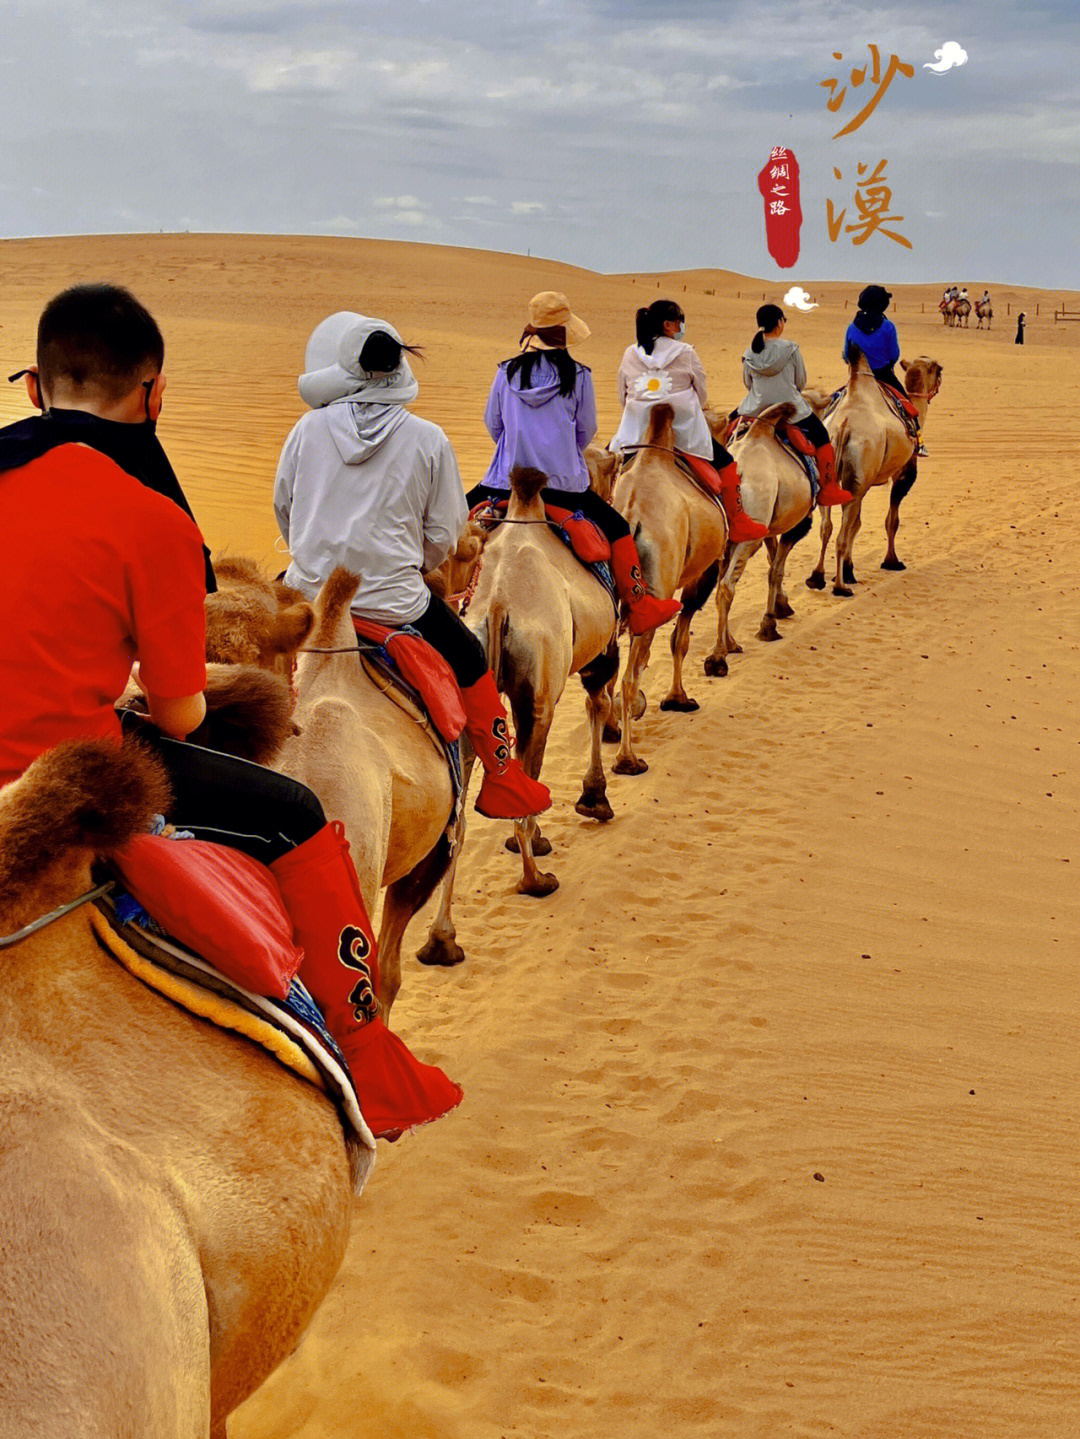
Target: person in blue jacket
x=872, y=335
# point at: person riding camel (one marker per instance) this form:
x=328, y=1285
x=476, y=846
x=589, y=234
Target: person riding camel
x=364, y=483
x=107, y=572
x=662, y=368
x=873, y=335
x=774, y=373
x=541, y=412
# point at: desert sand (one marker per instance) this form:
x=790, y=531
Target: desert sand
x=767, y=1127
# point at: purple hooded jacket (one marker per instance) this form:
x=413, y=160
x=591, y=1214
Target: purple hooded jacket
x=540, y=427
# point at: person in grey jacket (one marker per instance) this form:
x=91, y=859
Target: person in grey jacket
x=774, y=374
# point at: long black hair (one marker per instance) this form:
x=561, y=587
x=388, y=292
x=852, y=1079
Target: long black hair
x=381, y=354
x=565, y=364
x=768, y=317
x=650, y=321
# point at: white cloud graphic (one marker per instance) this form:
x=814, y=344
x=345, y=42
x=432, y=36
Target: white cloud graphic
x=798, y=297
x=950, y=55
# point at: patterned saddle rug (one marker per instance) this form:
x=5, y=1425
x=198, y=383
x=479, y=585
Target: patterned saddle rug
x=290, y=1029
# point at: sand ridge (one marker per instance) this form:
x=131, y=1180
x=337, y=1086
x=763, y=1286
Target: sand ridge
x=833, y=930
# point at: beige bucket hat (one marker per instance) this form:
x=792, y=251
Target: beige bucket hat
x=549, y=313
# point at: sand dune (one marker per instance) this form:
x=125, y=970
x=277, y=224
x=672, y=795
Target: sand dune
x=769, y=1117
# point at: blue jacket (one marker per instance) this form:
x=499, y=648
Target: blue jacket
x=879, y=344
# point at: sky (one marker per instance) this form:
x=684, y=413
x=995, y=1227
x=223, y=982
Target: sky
x=619, y=135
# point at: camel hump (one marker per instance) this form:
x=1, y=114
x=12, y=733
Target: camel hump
x=87, y=794
x=659, y=429
x=527, y=482
x=332, y=601
x=773, y=416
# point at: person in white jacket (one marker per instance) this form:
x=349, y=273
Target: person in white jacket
x=364, y=483
x=662, y=368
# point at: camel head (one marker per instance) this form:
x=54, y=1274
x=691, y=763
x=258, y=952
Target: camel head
x=602, y=465
x=453, y=576
x=253, y=620
x=922, y=377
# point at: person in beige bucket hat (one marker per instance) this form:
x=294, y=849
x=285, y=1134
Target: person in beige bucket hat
x=552, y=324
x=541, y=413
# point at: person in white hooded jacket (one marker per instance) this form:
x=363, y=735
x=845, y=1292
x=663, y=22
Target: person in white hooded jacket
x=364, y=483
x=662, y=368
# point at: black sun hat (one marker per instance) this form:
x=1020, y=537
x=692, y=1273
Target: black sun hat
x=875, y=299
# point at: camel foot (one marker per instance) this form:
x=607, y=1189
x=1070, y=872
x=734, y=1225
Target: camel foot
x=684, y=705
x=768, y=631
x=612, y=734
x=716, y=666
x=816, y=581
x=593, y=804
x=641, y=704
x=843, y=591
x=541, y=844
x=783, y=610
x=849, y=573
x=442, y=950
x=630, y=764
x=542, y=885
x=893, y=564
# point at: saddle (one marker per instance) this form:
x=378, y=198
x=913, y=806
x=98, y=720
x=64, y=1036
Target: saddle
x=701, y=473
x=583, y=538
x=406, y=657
x=289, y=1027
x=792, y=439
x=897, y=401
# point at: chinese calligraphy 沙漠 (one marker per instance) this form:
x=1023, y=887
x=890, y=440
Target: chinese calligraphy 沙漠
x=873, y=197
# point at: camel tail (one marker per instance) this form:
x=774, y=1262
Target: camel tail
x=331, y=602
x=527, y=482
x=82, y=795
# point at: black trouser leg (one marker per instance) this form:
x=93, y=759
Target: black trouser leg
x=453, y=639
x=232, y=801
x=814, y=430
x=720, y=457
x=604, y=516
x=887, y=375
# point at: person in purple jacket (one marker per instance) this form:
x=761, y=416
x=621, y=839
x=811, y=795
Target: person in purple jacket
x=541, y=412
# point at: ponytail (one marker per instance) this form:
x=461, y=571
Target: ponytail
x=649, y=323
x=381, y=354
x=768, y=317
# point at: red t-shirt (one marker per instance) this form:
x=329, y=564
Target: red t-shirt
x=97, y=571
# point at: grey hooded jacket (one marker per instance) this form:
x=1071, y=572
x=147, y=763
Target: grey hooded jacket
x=773, y=377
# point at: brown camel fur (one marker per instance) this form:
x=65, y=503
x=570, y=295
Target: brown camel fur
x=872, y=447
x=254, y=621
x=541, y=617
x=175, y=1205
x=681, y=537
x=776, y=492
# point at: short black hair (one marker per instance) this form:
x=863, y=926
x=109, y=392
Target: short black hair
x=97, y=337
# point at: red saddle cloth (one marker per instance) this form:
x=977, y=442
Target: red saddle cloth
x=587, y=540
x=217, y=901
x=423, y=667
x=706, y=474
x=797, y=440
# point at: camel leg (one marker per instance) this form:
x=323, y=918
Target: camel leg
x=778, y=554
x=612, y=732
x=441, y=946
x=596, y=676
x=626, y=761
x=676, y=697
x=536, y=724
x=845, y=542
x=900, y=488
x=815, y=580
x=540, y=843
x=738, y=557
x=402, y=900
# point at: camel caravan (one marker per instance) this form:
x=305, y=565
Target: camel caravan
x=956, y=308
x=212, y=783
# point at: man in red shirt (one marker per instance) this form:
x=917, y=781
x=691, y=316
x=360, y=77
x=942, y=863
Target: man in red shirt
x=100, y=572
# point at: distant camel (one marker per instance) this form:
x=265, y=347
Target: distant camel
x=681, y=536
x=873, y=447
x=175, y=1204
x=948, y=310
x=776, y=492
x=963, y=313
x=983, y=311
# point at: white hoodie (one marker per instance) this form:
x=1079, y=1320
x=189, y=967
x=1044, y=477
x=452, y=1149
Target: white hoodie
x=376, y=489
x=671, y=375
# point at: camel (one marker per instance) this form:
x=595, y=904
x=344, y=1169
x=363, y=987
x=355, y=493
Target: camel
x=681, y=536
x=948, y=310
x=962, y=313
x=873, y=447
x=541, y=617
x=984, y=310
x=776, y=492
x=175, y=1205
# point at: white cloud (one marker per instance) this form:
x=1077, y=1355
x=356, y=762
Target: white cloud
x=527, y=207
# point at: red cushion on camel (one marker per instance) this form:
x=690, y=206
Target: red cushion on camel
x=217, y=901
x=423, y=667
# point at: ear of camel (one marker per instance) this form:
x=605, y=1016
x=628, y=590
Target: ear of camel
x=153, y=1203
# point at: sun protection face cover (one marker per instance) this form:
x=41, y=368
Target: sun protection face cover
x=332, y=369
